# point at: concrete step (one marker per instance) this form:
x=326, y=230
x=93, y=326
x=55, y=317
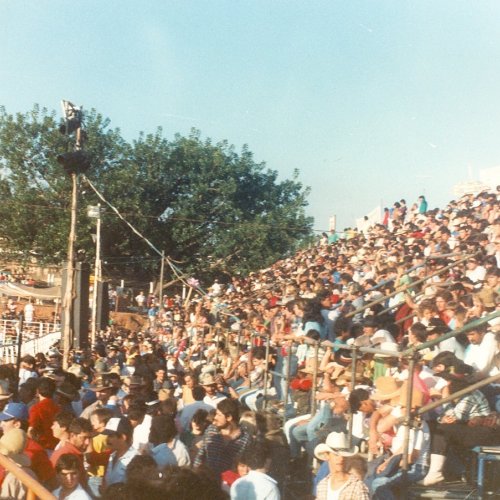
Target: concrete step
x=454, y=491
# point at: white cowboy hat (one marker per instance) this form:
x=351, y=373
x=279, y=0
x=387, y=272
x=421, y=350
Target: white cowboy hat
x=337, y=443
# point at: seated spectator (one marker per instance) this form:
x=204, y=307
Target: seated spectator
x=385, y=479
x=463, y=425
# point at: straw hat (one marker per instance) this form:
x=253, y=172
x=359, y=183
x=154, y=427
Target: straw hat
x=386, y=388
x=417, y=396
x=12, y=445
x=336, y=442
x=347, y=377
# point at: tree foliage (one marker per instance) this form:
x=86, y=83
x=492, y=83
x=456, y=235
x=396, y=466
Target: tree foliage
x=210, y=208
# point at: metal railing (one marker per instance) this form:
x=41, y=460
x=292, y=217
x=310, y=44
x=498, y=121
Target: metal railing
x=34, y=488
x=411, y=354
x=18, y=338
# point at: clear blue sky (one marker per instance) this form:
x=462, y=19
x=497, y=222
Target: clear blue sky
x=371, y=100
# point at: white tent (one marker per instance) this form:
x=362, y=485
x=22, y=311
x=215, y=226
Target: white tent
x=18, y=290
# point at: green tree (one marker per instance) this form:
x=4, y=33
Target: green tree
x=210, y=208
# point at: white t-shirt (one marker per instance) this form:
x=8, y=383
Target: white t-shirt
x=141, y=433
x=78, y=494
x=255, y=485
x=481, y=356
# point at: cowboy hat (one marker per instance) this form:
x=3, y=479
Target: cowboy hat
x=207, y=379
x=77, y=370
x=99, y=384
x=417, y=396
x=337, y=443
x=347, y=377
x=386, y=389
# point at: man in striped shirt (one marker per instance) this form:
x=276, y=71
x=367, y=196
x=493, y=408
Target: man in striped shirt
x=224, y=441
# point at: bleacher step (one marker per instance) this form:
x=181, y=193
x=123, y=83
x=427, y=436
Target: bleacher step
x=451, y=491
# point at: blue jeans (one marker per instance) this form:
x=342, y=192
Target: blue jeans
x=306, y=434
x=381, y=488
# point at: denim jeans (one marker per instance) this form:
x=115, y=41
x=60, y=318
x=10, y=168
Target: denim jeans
x=381, y=487
x=305, y=435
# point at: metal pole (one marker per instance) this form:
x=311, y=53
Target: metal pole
x=97, y=274
x=67, y=334
x=407, y=421
x=353, y=385
x=266, y=373
x=162, y=270
x=20, y=326
x=238, y=342
x=288, y=371
x=315, y=379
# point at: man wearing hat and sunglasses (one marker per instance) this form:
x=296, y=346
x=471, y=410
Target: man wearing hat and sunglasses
x=103, y=391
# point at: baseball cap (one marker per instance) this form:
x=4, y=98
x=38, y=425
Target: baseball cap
x=118, y=425
x=19, y=411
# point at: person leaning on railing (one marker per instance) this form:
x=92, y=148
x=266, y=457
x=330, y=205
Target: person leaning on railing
x=465, y=424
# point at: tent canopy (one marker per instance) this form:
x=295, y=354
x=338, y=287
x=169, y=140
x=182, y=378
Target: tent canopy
x=19, y=290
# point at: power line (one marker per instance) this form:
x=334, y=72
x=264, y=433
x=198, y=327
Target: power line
x=176, y=218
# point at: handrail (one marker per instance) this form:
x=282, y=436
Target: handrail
x=452, y=333
x=458, y=394
x=407, y=287
x=31, y=484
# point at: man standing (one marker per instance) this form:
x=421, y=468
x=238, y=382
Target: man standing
x=80, y=433
x=256, y=484
x=103, y=391
x=119, y=431
x=68, y=474
x=224, y=440
x=43, y=413
x=141, y=301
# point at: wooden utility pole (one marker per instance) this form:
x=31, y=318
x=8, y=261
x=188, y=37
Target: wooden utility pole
x=67, y=306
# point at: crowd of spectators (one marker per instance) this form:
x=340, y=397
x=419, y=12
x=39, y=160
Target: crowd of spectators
x=243, y=390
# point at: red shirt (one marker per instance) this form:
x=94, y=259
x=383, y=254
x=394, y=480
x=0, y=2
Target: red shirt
x=68, y=448
x=40, y=463
x=41, y=418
